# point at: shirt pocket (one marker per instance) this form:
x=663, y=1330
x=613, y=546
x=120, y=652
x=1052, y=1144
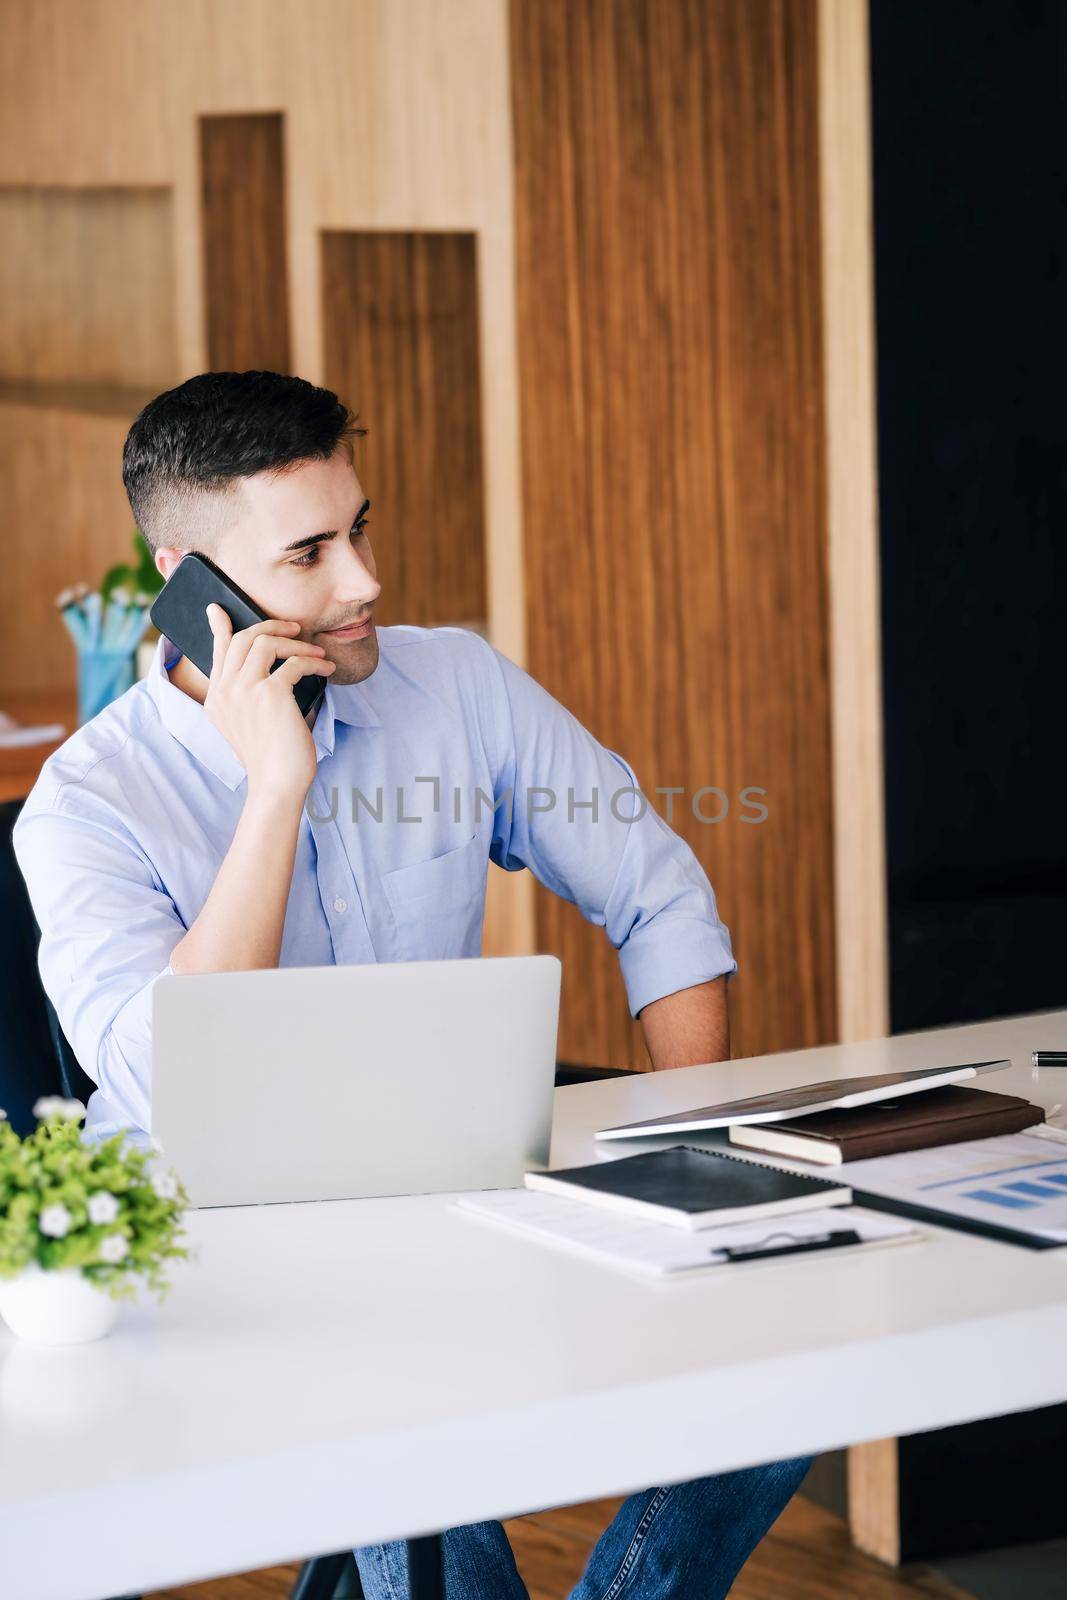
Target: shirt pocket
x=438, y=905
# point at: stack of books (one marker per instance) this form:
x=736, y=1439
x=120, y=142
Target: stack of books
x=921, y=1144
x=853, y=1119
x=950, y=1115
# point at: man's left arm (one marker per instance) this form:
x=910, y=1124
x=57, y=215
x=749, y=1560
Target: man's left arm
x=572, y=811
x=689, y=1026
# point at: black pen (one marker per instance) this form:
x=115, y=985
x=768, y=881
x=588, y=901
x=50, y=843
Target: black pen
x=765, y=1247
x=1049, y=1058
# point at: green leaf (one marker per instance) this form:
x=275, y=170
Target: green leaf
x=149, y=578
x=119, y=577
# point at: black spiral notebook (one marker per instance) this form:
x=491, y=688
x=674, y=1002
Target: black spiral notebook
x=692, y=1188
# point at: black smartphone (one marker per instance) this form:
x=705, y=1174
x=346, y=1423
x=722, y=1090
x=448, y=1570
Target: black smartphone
x=179, y=611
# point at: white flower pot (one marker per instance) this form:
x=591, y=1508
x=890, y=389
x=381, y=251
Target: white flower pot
x=61, y=1307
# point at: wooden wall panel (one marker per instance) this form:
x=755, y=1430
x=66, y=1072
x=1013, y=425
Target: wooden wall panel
x=50, y=468
x=246, y=302
x=400, y=319
x=71, y=309
x=670, y=363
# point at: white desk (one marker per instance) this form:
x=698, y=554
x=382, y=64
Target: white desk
x=335, y=1374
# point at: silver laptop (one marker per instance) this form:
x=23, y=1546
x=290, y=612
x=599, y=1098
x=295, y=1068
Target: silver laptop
x=332, y=1083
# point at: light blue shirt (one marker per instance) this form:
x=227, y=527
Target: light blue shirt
x=446, y=758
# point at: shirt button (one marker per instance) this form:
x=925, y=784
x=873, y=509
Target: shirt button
x=340, y=905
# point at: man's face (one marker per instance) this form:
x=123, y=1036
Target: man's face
x=298, y=548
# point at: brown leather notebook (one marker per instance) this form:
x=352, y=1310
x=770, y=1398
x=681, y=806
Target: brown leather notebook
x=948, y=1115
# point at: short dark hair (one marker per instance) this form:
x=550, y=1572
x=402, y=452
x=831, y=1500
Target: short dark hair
x=189, y=446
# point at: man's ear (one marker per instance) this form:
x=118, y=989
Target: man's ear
x=167, y=558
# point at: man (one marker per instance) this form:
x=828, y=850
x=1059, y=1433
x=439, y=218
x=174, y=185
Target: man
x=201, y=824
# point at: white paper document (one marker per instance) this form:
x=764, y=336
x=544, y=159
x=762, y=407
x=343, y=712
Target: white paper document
x=12, y=737
x=1015, y=1180
x=656, y=1248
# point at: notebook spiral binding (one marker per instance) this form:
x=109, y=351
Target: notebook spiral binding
x=768, y=1166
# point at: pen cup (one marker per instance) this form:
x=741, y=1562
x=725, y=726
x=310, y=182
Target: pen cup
x=102, y=676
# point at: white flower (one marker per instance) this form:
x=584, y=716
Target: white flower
x=113, y=1249
x=3, y=1114
x=55, y=1221
x=103, y=1207
x=54, y=1105
x=165, y=1185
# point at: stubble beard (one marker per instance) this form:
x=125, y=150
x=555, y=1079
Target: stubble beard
x=354, y=661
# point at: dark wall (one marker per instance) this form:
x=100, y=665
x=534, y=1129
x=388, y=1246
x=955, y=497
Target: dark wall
x=970, y=188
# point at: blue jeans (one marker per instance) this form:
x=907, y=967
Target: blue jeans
x=687, y=1543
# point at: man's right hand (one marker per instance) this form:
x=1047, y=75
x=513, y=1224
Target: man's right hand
x=255, y=709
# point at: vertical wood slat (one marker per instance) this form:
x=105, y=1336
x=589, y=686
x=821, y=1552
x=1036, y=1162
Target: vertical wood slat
x=246, y=300
x=851, y=427
x=400, y=319
x=856, y=660
x=874, y=1499
x=671, y=379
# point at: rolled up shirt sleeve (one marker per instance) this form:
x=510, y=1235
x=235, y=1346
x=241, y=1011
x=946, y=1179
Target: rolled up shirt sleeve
x=573, y=812
x=107, y=931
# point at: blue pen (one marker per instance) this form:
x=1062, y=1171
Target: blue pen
x=114, y=615
x=93, y=613
x=135, y=622
x=67, y=603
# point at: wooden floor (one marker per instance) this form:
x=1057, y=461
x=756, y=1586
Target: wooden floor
x=806, y=1556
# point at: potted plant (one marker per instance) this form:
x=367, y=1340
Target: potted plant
x=81, y=1225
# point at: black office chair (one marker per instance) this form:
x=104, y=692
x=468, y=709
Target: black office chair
x=36, y=1059
x=28, y=1065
